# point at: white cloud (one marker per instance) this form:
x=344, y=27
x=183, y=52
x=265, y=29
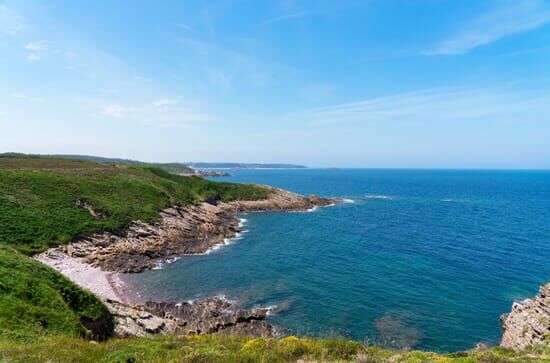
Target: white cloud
x=510, y=17
x=10, y=23
x=437, y=105
x=38, y=46
x=23, y=96
x=117, y=111
x=31, y=57
x=184, y=26
x=165, y=102
x=155, y=115
x=298, y=14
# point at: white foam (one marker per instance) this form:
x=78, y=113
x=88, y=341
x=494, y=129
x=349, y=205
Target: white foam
x=376, y=196
x=454, y=200
x=160, y=265
x=347, y=200
x=227, y=241
x=270, y=309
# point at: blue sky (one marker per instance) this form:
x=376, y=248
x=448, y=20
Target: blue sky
x=426, y=83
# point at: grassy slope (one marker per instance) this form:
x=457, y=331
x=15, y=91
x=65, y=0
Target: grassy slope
x=38, y=198
x=175, y=168
x=238, y=349
x=36, y=301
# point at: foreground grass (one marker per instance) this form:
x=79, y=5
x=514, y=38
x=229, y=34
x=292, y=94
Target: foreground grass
x=38, y=198
x=36, y=301
x=212, y=348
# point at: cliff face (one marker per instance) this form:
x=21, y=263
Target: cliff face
x=529, y=321
x=181, y=231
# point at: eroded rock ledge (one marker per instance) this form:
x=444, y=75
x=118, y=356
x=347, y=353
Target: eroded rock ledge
x=181, y=231
x=528, y=323
x=207, y=316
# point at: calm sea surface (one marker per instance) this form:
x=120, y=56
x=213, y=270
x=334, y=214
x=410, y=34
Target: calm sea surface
x=421, y=258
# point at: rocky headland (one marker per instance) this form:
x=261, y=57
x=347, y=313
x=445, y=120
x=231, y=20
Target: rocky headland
x=528, y=324
x=95, y=263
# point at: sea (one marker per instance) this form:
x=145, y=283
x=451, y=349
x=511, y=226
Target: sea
x=426, y=259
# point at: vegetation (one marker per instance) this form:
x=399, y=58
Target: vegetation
x=36, y=301
x=175, y=168
x=219, y=348
x=42, y=199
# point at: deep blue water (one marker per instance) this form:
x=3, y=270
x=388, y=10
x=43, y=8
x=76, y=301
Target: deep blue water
x=423, y=258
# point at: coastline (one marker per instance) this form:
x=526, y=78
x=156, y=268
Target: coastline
x=98, y=263
x=104, y=284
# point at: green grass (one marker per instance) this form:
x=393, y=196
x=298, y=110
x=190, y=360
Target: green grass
x=38, y=198
x=216, y=348
x=36, y=301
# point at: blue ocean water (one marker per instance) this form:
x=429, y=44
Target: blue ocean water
x=421, y=258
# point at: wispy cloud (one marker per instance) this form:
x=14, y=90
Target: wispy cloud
x=33, y=57
x=184, y=26
x=440, y=104
x=117, y=111
x=286, y=17
x=165, y=102
x=509, y=17
x=23, y=96
x=11, y=23
x=155, y=114
x=38, y=46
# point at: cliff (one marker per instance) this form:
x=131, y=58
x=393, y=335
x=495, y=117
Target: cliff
x=528, y=324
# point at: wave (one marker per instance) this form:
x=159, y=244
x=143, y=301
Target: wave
x=160, y=265
x=454, y=200
x=379, y=196
x=347, y=200
x=229, y=241
x=226, y=242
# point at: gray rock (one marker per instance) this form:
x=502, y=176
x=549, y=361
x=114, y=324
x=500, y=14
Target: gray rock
x=528, y=323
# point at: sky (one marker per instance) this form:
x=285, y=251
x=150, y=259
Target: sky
x=371, y=83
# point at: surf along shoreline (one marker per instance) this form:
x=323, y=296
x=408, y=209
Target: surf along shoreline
x=98, y=262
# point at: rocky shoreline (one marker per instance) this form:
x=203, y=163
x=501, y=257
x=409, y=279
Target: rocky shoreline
x=528, y=323
x=95, y=263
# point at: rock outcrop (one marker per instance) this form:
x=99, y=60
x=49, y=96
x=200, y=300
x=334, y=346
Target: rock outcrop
x=207, y=316
x=528, y=323
x=279, y=200
x=181, y=231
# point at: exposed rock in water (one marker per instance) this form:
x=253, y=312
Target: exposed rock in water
x=528, y=323
x=208, y=316
x=279, y=200
x=181, y=231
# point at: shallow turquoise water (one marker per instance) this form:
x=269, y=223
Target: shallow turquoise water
x=422, y=258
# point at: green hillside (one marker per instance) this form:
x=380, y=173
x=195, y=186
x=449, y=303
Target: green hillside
x=36, y=301
x=175, y=168
x=42, y=199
